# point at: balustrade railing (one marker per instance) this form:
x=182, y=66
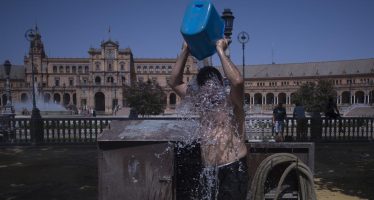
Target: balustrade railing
x=309, y=129
x=16, y=131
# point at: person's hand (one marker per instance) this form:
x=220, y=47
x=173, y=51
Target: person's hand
x=222, y=44
x=185, y=47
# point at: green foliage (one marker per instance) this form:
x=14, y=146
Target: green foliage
x=146, y=98
x=314, y=96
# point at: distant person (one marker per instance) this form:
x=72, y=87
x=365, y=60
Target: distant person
x=279, y=115
x=332, y=111
x=301, y=121
x=93, y=112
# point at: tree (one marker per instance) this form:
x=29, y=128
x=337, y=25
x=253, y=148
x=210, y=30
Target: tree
x=314, y=96
x=145, y=98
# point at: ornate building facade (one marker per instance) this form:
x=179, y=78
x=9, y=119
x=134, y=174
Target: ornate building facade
x=267, y=85
x=94, y=82
x=97, y=81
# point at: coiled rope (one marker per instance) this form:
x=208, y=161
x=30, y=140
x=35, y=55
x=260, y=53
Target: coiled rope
x=304, y=175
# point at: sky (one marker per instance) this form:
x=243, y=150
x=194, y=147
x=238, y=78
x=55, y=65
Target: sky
x=283, y=31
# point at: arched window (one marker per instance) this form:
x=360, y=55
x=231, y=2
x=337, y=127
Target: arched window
x=346, y=97
x=269, y=98
x=172, y=99
x=360, y=97
x=97, y=80
x=258, y=98
x=85, y=69
x=282, y=98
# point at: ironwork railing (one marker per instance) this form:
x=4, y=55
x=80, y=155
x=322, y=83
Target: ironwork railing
x=84, y=130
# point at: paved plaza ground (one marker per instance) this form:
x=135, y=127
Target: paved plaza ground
x=343, y=172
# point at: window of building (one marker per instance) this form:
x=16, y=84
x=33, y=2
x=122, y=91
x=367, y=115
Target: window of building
x=110, y=79
x=157, y=69
x=61, y=70
x=169, y=68
x=151, y=69
x=140, y=79
x=163, y=69
x=57, y=82
x=71, y=82
x=144, y=69
x=139, y=68
x=85, y=81
x=97, y=66
x=74, y=69
x=85, y=69
x=122, y=66
x=67, y=69
x=54, y=69
x=97, y=80
x=79, y=69
x=110, y=67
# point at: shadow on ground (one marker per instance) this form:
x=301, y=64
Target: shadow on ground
x=346, y=168
x=70, y=172
x=53, y=173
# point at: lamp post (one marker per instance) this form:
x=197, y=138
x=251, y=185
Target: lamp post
x=228, y=18
x=8, y=107
x=36, y=123
x=30, y=36
x=243, y=38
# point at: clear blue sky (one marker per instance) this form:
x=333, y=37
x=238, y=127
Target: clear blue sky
x=298, y=30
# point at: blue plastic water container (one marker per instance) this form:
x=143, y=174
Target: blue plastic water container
x=202, y=26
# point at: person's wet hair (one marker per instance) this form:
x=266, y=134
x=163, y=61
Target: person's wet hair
x=208, y=73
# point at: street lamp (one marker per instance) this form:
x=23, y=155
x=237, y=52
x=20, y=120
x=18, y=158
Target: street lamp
x=30, y=36
x=228, y=18
x=36, y=122
x=243, y=38
x=8, y=107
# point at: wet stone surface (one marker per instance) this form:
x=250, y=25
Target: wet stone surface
x=54, y=173
x=343, y=171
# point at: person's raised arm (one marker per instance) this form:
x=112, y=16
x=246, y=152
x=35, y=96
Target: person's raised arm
x=176, y=79
x=232, y=73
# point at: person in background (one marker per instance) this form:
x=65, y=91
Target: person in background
x=299, y=115
x=279, y=115
x=332, y=111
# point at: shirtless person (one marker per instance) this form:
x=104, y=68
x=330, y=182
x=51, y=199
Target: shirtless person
x=222, y=133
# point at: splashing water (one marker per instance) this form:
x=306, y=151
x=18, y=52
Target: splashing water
x=211, y=103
